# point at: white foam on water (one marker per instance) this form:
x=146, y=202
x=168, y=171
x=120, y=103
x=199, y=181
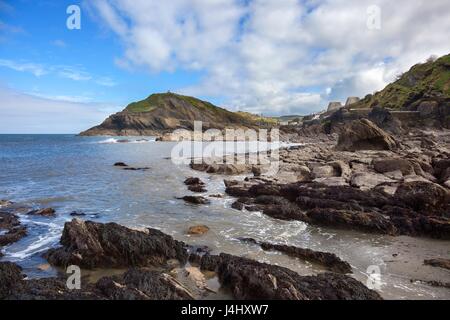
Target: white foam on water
x=41, y=243
x=126, y=140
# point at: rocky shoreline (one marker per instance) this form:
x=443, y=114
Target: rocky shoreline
x=362, y=179
x=149, y=256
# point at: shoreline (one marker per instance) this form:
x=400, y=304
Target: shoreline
x=320, y=150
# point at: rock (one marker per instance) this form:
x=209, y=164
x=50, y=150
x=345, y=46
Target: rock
x=432, y=283
x=136, y=168
x=10, y=277
x=441, y=169
x=424, y=197
x=395, y=175
x=14, y=231
x=326, y=259
x=198, y=230
x=332, y=181
x=216, y=195
x=44, y=267
x=363, y=134
x=47, y=212
x=134, y=284
x=195, y=276
x=341, y=169
x=77, y=214
x=5, y=203
x=193, y=181
x=323, y=172
x=195, y=199
x=439, y=262
x=428, y=108
x=120, y=164
x=93, y=245
x=251, y=280
x=142, y=284
x=222, y=168
x=393, y=164
x=197, y=188
x=368, y=180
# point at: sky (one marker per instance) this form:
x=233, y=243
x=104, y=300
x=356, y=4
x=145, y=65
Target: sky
x=273, y=57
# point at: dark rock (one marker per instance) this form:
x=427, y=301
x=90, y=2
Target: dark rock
x=77, y=214
x=392, y=164
x=195, y=199
x=425, y=197
x=47, y=212
x=329, y=260
x=142, y=284
x=237, y=205
x=326, y=259
x=251, y=280
x=120, y=164
x=363, y=134
x=440, y=262
x=193, y=181
x=197, y=188
x=94, y=245
x=136, y=168
x=14, y=231
x=10, y=276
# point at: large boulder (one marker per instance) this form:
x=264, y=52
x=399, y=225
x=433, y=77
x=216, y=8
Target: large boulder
x=249, y=279
x=12, y=230
x=10, y=276
x=425, y=197
x=363, y=134
x=393, y=164
x=93, y=245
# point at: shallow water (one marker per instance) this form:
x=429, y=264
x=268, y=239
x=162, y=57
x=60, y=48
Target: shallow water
x=71, y=173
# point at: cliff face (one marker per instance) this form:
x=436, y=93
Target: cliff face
x=165, y=112
x=424, y=89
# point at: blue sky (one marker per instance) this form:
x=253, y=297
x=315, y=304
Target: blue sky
x=263, y=56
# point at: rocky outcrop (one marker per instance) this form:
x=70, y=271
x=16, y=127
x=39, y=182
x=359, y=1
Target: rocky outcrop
x=416, y=208
x=12, y=230
x=438, y=262
x=93, y=245
x=326, y=259
x=10, y=276
x=364, y=135
x=198, y=230
x=164, y=112
x=47, y=212
x=142, y=284
x=134, y=284
x=195, y=199
x=252, y=280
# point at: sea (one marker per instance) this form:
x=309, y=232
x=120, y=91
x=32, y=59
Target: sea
x=71, y=173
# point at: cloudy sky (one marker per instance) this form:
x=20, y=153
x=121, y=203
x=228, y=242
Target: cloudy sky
x=267, y=56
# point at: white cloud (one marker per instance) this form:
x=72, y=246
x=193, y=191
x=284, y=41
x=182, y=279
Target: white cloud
x=75, y=73
x=277, y=56
x=27, y=113
x=36, y=69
